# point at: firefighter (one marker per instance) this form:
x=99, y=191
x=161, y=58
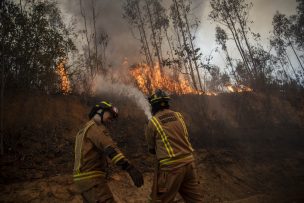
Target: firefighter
x=167, y=137
x=92, y=147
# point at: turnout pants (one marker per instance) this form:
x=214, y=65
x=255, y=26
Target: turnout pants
x=183, y=180
x=100, y=193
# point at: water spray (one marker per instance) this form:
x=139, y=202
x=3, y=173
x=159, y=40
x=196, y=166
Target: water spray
x=105, y=85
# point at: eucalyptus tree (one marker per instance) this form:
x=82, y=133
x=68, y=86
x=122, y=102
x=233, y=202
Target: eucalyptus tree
x=284, y=36
x=96, y=39
x=233, y=15
x=133, y=14
x=180, y=12
x=158, y=22
x=221, y=38
x=299, y=29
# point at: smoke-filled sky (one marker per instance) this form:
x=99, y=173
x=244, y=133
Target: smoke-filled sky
x=122, y=43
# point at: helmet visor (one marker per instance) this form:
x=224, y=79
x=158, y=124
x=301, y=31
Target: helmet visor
x=114, y=112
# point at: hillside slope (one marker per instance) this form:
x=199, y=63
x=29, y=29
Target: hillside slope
x=249, y=147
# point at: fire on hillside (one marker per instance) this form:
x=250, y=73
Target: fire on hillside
x=65, y=86
x=148, y=78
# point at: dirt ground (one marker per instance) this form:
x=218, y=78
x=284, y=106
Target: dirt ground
x=262, y=162
x=224, y=177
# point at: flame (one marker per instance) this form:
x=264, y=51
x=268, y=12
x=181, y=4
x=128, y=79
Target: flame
x=148, y=78
x=65, y=82
x=238, y=88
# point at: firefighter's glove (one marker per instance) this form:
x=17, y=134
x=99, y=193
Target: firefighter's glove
x=136, y=175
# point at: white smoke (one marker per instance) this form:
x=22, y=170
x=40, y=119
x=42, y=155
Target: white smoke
x=105, y=85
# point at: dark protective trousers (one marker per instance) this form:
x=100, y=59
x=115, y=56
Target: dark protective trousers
x=183, y=180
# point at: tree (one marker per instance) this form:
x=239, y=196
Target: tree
x=96, y=40
x=33, y=40
x=299, y=28
x=180, y=11
x=255, y=65
x=133, y=14
x=284, y=37
x=233, y=14
x=218, y=80
x=281, y=51
x=155, y=16
x=221, y=38
x=283, y=29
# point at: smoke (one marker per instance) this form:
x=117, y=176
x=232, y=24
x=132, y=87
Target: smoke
x=109, y=18
x=103, y=85
x=124, y=40
x=123, y=44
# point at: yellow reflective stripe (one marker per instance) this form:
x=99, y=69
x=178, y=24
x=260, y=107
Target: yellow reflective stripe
x=78, y=149
x=165, y=140
x=159, y=129
x=118, y=157
x=88, y=175
x=180, y=118
x=106, y=103
x=174, y=160
x=163, y=136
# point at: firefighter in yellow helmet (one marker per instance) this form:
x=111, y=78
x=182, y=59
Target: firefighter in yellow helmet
x=168, y=139
x=92, y=147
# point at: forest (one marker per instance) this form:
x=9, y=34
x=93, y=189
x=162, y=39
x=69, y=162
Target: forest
x=245, y=112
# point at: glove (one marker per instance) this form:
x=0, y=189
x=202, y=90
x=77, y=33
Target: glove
x=135, y=175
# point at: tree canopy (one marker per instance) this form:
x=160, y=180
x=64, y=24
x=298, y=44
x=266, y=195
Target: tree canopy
x=34, y=39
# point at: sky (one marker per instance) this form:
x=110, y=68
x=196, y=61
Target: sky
x=261, y=14
x=122, y=43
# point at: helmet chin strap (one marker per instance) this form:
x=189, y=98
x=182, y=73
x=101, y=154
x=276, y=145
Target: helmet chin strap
x=100, y=113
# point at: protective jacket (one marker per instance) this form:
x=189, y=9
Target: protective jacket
x=167, y=135
x=92, y=147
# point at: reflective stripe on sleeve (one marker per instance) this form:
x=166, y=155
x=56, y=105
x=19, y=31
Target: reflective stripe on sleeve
x=181, y=120
x=163, y=137
x=117, y=158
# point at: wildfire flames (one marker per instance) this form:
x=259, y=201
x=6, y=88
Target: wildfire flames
x=65, y=82
x=240, y=88
x=152, y=79
x=147, y=78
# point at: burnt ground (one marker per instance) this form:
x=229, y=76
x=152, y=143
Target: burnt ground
x=237, y=162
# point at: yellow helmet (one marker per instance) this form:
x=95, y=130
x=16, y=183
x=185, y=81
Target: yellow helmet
x=158, y=97
x=104, y=106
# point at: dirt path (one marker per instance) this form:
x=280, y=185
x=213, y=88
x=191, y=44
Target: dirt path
x=224, y=179
x=61, y=189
